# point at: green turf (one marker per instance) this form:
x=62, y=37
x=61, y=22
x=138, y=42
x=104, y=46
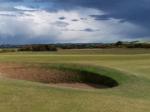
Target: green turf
x=130, y=68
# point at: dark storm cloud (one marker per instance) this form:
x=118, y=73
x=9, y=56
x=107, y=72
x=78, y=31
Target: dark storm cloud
x=101, y=17
x=62, y=18
x=136, y=11
x=75, y=20
x=90, y=30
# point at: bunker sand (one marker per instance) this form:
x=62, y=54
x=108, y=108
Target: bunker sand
x=53, y=77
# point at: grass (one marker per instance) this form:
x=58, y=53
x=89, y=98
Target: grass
x=132, y=70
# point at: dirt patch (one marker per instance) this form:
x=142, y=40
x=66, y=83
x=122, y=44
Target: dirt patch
x=54, y=77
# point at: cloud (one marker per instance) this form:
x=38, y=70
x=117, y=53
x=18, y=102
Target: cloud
x=62, y=18
x=35, y=21
x=136, y=11
x=82, y=30
x=90, y=30
x=24, y=8
x=101, y=17
x=11, y=0
x=27, y=29
x=60, y=24
x=10, y=13
x=75, y=20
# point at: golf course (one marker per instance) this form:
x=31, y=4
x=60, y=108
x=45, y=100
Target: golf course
x=76, y=80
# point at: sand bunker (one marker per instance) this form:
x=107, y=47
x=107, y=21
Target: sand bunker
x=55, y=77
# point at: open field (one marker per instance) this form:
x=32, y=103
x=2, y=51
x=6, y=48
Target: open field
x=129, y=67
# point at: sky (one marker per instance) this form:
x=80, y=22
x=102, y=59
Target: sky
x=73, y=21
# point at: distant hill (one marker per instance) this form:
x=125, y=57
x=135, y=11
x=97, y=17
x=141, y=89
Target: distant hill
x=9, y=46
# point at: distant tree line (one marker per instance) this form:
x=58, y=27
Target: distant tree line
x=118, y=44
x=38, y=47
x=55, y=47
x=138, y=46
x=84, y=46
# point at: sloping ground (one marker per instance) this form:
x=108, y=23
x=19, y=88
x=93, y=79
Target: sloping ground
x=57, y=77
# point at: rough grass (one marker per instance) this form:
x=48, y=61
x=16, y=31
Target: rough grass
x=131, y=96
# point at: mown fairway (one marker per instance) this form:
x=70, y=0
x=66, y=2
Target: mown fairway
x=132, y=95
